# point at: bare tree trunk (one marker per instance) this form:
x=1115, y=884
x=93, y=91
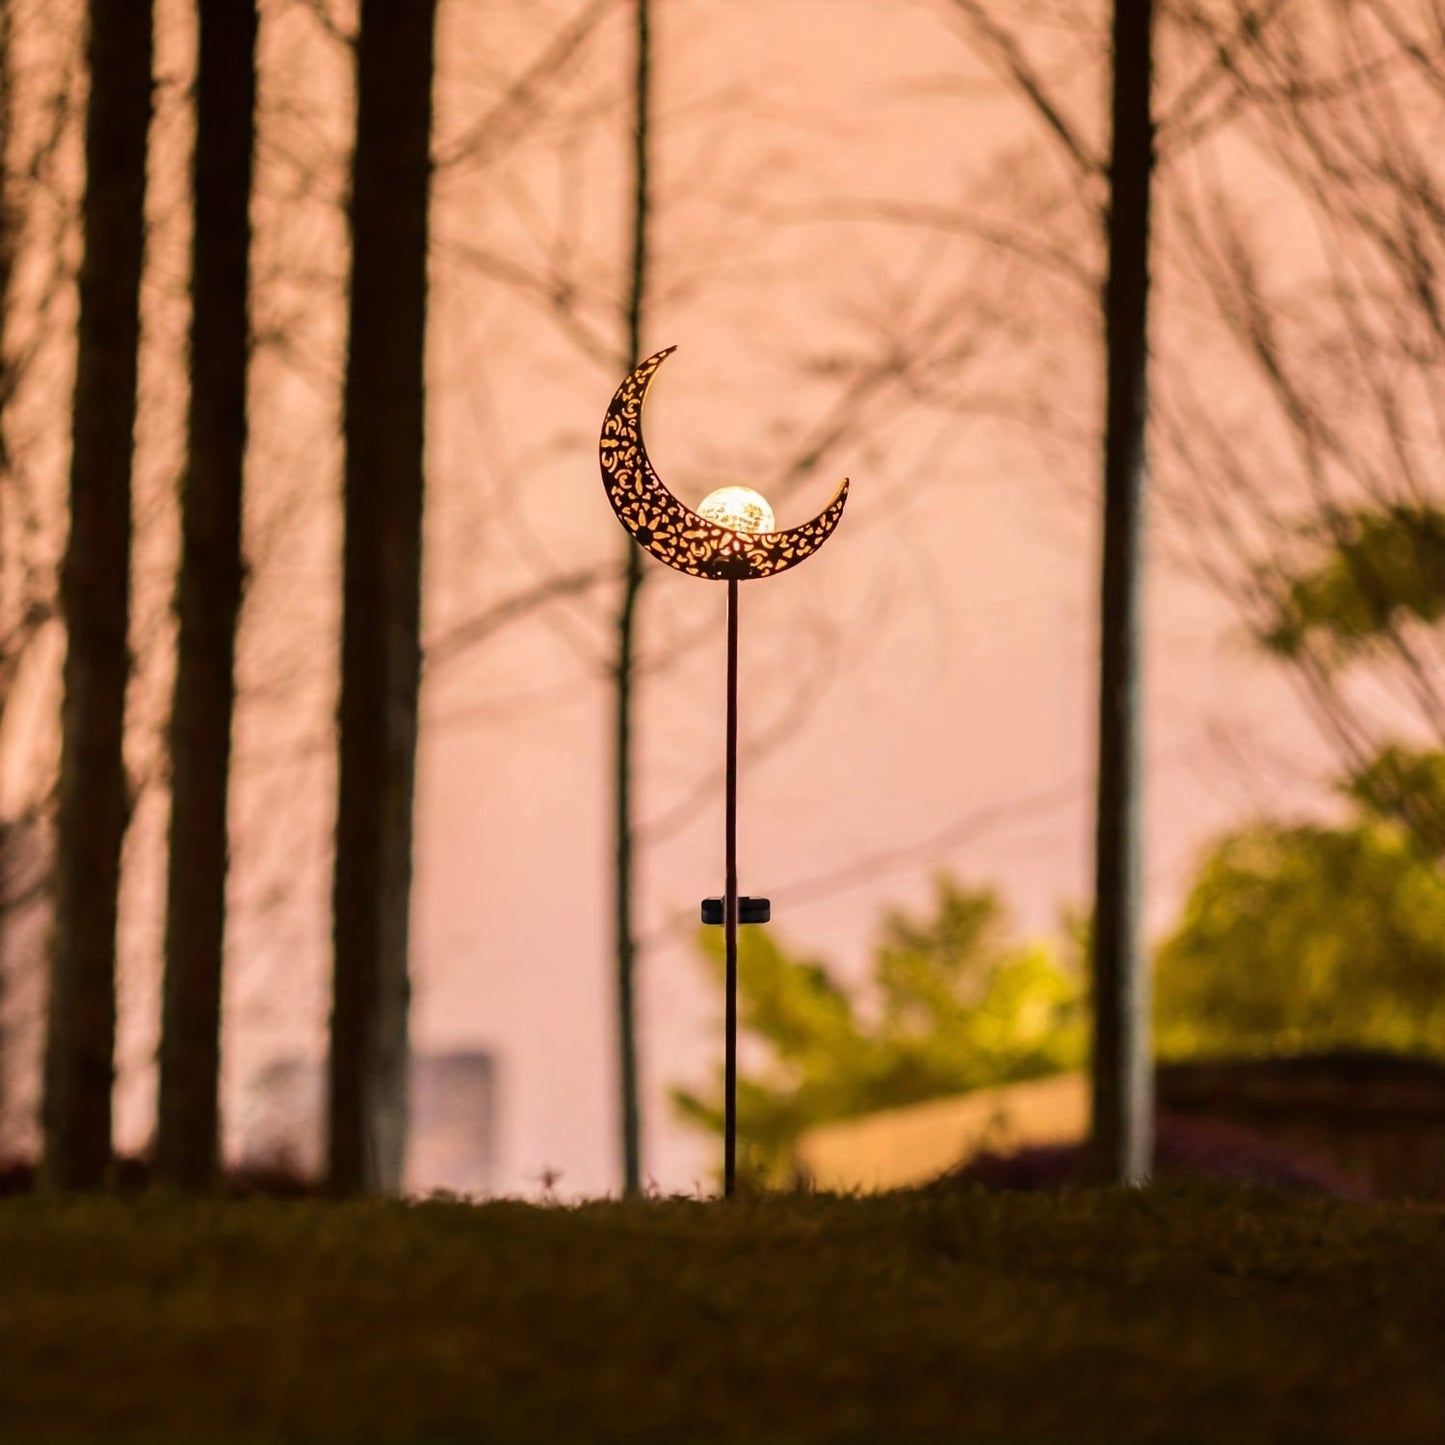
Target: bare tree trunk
x=94, y=593
x=7, y=271
x=625, y=678
x=208, y=596
x=9, y=619
x=380, y=648
x=1122, y=1141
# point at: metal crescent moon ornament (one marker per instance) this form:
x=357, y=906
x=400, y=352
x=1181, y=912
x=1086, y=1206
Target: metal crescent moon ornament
x=674, y=533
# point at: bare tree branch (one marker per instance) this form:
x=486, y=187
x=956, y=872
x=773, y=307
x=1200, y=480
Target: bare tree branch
x=518, y=107
x=1002, y=50
x=463, y=637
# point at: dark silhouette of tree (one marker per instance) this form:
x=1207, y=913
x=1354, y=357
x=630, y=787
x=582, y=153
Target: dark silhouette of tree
x=208, y=595
x=1121, y=1142
x=380, y=648
x=7, y=234
x=1122, y=1109
x=625, y=663
x=9, y=622
x=94, y=593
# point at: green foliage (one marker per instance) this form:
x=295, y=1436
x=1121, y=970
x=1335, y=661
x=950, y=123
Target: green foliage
x=1312, y=937
x=955, y=1005
x=1307, y=937
x=1406, y=785
x=1372, y=570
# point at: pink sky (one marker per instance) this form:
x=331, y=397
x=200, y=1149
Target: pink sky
x=960, y=587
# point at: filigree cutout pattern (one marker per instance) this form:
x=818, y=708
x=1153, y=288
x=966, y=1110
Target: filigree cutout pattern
x=675, y=534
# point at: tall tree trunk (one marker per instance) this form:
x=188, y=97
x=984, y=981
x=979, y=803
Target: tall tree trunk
x=94, y=594
x=1122, y=1141
x=11, y=605
x=625, y=670
x=7, y=271
x=208, y=596
x=380, y=647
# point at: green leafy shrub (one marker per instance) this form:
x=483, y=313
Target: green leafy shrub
x=952, y=1004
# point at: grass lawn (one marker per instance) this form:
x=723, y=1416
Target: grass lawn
x=1185, y=1313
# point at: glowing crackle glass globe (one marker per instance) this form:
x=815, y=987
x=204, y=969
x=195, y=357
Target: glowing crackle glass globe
x=739, y=509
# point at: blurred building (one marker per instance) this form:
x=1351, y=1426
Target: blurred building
x=453, y=1112
x=896, y=1148
x=1375, y=1118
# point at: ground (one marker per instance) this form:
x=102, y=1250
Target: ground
x=1187, y=1312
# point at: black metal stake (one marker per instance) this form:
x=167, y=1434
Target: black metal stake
x=730, y=907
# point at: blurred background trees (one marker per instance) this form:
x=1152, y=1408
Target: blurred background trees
x=1319, y=514
x=1299, y=938
x=951, y=1004
x=582, y=199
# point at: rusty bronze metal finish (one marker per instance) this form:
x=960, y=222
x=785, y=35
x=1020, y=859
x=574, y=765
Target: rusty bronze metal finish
x=688, y=541
x=674, y=533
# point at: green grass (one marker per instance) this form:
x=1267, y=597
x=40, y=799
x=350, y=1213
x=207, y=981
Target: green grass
x=1186, y=1313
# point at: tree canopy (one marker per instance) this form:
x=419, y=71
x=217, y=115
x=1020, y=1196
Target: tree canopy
x=1307, y=937
x=1364, y=575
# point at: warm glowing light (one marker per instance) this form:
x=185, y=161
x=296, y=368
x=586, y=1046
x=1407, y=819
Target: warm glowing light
x=739, y=509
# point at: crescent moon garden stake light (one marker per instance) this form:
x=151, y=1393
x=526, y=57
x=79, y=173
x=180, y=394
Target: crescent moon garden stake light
x=730, y=538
